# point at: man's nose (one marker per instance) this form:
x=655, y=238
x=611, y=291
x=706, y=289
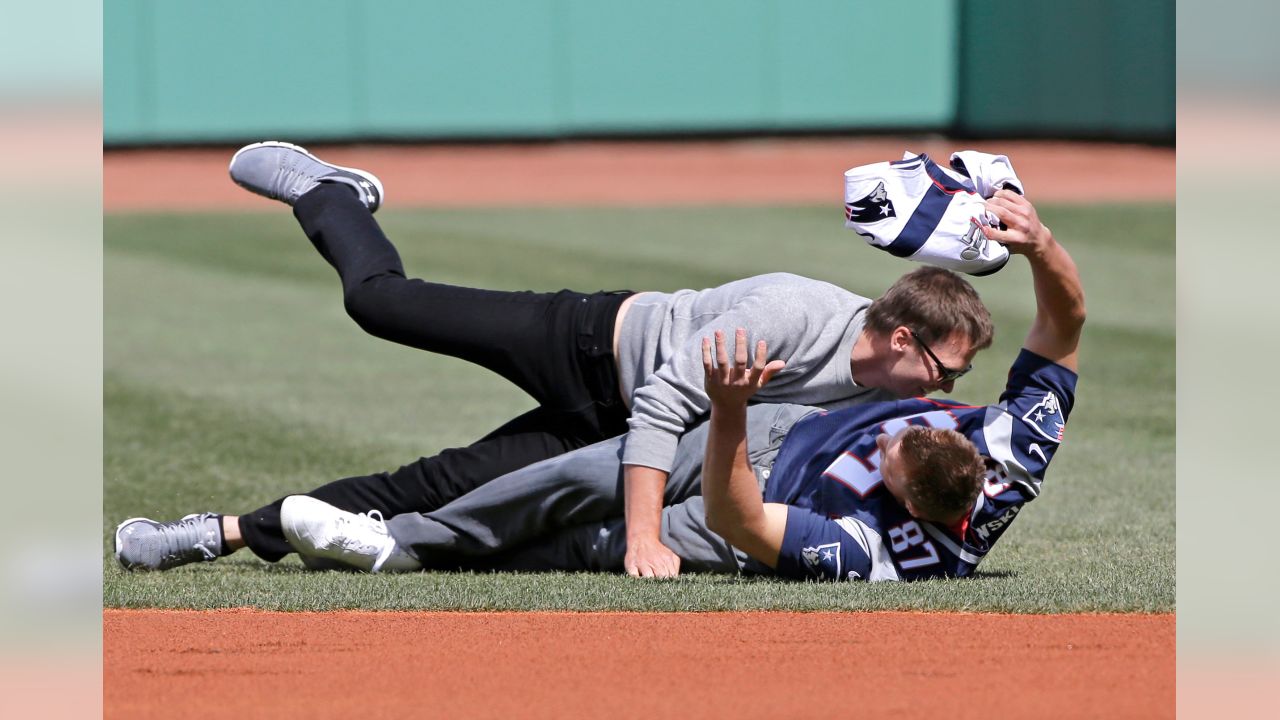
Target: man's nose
x=947, y=386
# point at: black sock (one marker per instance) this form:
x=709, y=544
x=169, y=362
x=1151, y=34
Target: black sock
x=223, y=550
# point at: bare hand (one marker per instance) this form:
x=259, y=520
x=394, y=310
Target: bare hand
x=730, y=385
x=1025, y=235
x=651, y=559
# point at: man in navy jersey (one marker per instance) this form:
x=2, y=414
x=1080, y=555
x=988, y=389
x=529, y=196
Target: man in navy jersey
x=900, y=490
x=879, y=492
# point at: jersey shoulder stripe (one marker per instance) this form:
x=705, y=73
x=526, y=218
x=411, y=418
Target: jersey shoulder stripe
x=882, y=567
x=945, y=541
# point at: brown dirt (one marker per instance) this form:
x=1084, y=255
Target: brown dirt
x=643, y=665
x=633, y=173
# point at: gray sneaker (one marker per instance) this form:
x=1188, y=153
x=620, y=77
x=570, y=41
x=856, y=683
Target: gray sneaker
x=143, y=544
x=285, y=172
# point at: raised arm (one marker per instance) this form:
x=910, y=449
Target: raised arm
x=735, y=509
x=1060, y=312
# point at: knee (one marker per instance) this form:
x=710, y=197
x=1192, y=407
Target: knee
x=367, y=303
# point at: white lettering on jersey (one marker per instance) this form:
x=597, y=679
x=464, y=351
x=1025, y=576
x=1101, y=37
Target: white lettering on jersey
x=862, y=475
x=908, y=535
x=984, y=530
x=942, y=419
x=997, y=430
x=995, y=481
x=882, y=567
x=859, y=475
x=941, y=537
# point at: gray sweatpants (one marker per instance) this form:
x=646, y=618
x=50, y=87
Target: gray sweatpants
x=566, y=513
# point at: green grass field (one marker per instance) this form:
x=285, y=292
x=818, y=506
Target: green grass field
x=233, y=376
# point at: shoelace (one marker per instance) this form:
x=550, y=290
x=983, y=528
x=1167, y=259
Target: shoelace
x=177, y=535
x=286, y=182
x=361, y=522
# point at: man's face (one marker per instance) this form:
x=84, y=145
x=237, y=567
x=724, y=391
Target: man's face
x=892, y=469
x=915, y=374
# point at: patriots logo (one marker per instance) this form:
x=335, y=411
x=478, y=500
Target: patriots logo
x=872, y=208
x=1045, y=417
x=823, y=560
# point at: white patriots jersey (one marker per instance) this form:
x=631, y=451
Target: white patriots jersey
x=915, y=209
x=842, y=524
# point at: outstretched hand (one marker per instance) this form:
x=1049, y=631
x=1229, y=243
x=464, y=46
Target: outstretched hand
x=732, y=384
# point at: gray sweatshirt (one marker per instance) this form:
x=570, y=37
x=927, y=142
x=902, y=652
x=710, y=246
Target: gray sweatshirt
x=810, y=324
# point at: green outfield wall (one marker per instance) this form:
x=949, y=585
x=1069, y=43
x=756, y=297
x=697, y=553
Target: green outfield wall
x=1093, y=68
x=200, y=71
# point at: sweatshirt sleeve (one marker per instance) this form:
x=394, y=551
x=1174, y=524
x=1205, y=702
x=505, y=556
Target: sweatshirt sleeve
x=672, y=398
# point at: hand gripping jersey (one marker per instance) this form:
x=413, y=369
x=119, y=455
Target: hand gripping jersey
x=844, y=525
x=915, y=209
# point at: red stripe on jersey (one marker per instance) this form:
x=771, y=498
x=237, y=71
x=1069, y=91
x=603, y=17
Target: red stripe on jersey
x=950, y=406
x=951, y=192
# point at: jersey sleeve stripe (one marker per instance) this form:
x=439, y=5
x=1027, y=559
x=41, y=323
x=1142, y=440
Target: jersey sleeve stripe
x=882, y=567
x=998, y=432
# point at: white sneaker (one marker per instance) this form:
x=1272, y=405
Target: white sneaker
x=319, y=530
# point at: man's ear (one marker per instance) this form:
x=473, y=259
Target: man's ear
x=900, y=339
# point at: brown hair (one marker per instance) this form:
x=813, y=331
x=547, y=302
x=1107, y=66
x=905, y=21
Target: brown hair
x=944, y=471
x=935, y=303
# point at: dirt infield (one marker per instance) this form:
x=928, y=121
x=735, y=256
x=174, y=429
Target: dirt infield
x=621, y=173
x=641, y=665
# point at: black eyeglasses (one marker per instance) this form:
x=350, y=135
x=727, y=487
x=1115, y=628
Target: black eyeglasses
x=945, y=374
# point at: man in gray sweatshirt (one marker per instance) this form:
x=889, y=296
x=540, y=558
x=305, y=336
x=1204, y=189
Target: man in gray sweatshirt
x=599, y=365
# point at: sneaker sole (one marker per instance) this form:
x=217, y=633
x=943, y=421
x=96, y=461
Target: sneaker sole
x=382, y=193
x=319, y=564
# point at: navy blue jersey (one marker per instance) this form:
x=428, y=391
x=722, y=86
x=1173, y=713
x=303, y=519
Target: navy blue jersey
x=844, y=525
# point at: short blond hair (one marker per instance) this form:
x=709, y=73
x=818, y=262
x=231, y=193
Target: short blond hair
x=944, y=471
x=935, y=303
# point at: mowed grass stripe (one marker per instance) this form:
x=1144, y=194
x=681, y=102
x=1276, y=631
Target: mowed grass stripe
x=662, y=249
x=288, y=350
x=233, y=376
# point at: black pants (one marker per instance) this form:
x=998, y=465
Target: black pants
x=557, y=347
